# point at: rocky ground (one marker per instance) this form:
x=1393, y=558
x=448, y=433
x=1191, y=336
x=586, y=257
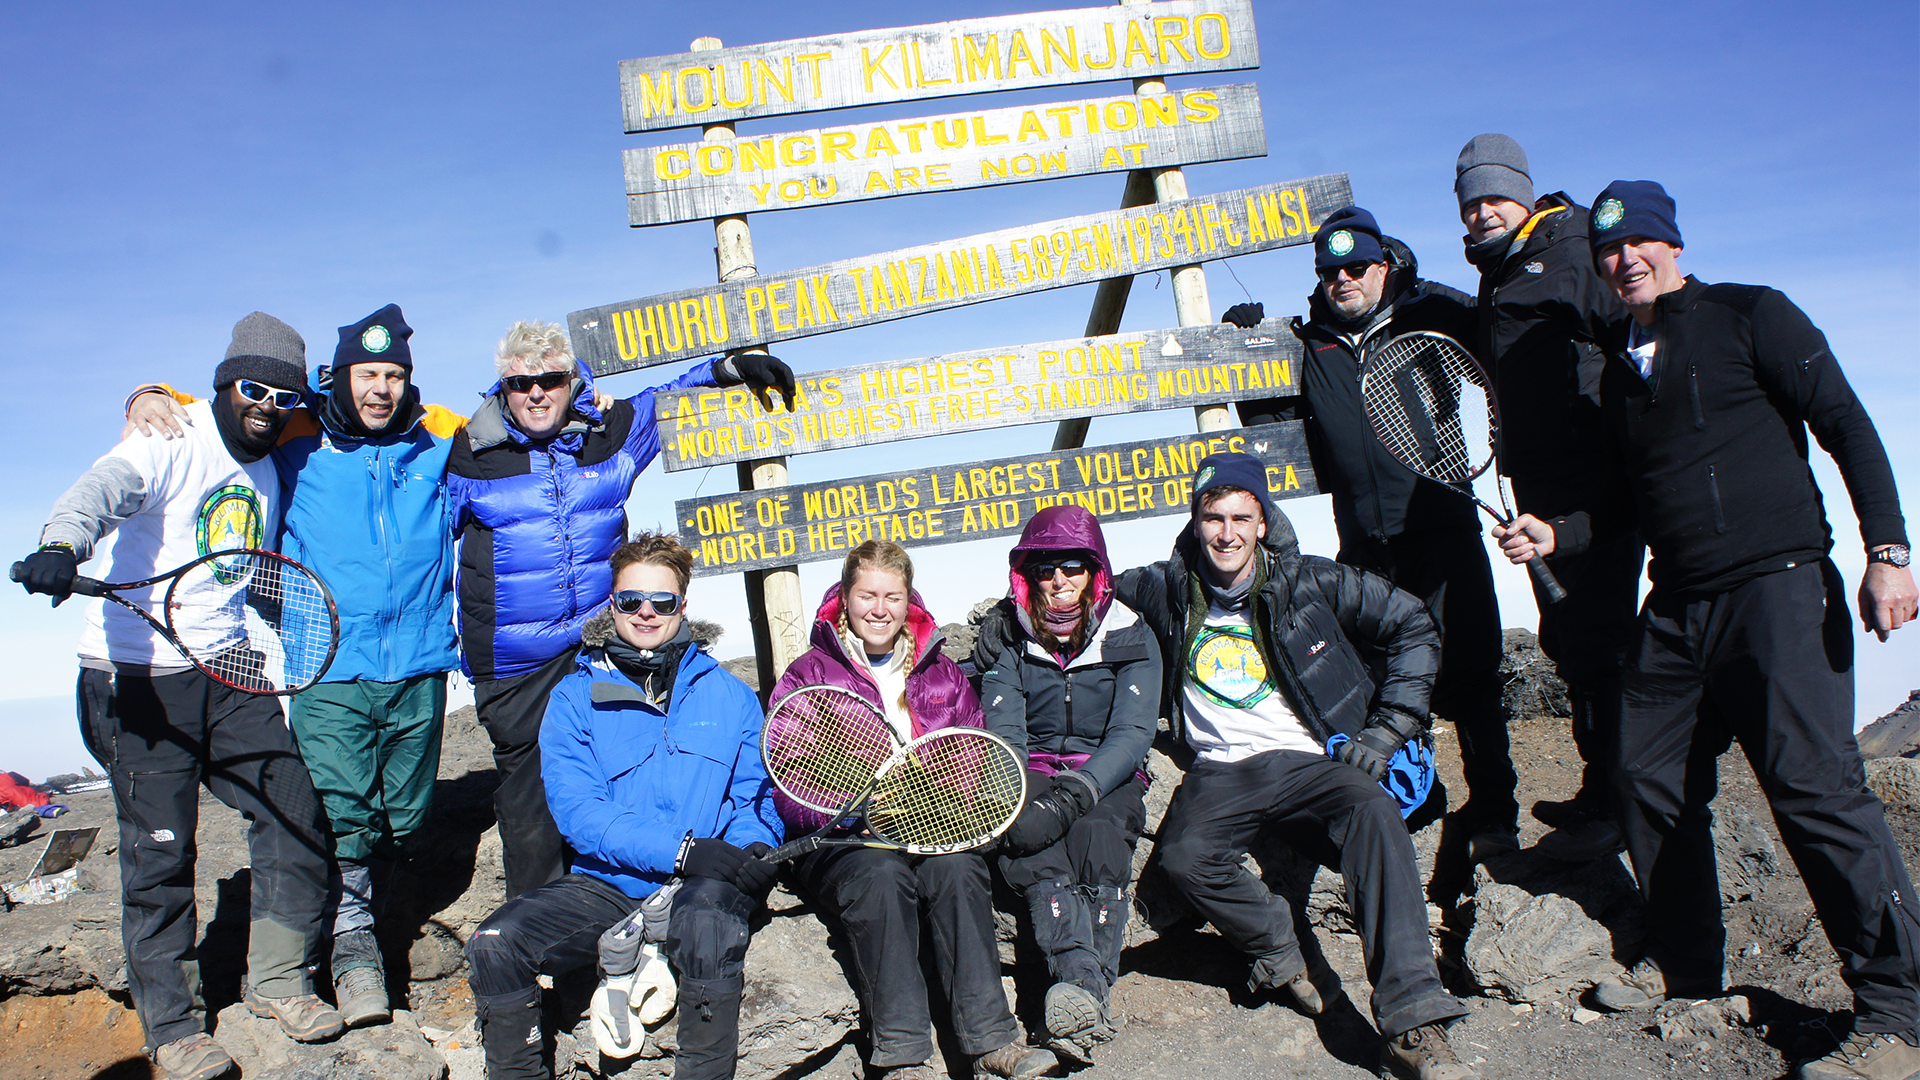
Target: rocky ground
x=1520, y=939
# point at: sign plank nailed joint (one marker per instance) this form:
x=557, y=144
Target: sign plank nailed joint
x=825, y=166
x=981, y=389
x=915, y=63
x=981, y=500
x=693, y=323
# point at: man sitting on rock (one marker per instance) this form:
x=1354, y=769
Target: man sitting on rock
x=651, y=758
x=1264, y=667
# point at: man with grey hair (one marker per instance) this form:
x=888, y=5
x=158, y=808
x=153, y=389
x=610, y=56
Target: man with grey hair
x=1542, y=312
x=161, y=728
x=542, y=474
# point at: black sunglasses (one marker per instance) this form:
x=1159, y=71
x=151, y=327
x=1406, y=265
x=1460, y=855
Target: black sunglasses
x=546, y=380
x=1354, y=270
x=628, y=601
x=257, y=392
x=1043, y=571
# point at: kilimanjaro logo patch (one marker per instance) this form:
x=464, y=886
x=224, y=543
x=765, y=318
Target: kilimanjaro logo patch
x=375, y=339
x=1609, y=213
x=1340, y=243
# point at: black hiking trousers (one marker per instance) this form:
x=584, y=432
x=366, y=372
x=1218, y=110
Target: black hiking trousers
x=1448, y=570
x=883, y=898
x=1338, y=816
x=160, y=738
x=1769, y=663
x=532, y=851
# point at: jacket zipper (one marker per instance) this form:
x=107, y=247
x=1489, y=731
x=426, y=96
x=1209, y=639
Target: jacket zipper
x=1713, y=489
x=1693, y=392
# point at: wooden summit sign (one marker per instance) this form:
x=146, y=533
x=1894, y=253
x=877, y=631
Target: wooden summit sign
x=693, y=323
x=981, y=389
x=824, y=166
x=946, y=504
x=913, y=63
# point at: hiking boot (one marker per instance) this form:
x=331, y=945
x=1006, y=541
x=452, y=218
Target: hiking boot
x=1555, y=814
x=304, y=1017
x=1861, y=1056
x=1582, y=840
x=1076, y=1021
x=362, y=994
x=1015, y=1061
x=1425, y=1054
x=1641, y=988
x=196, y=1057
x=1493, y=842
x=359, y=984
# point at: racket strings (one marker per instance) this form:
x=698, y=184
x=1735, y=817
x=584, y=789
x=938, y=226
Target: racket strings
x=254, y=621
x=950, y=792
x=822, y=746
x=1426, y=403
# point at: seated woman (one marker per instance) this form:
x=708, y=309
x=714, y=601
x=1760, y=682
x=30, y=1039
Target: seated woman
x=651, y=760
x=873, y=637
x=1073, y=681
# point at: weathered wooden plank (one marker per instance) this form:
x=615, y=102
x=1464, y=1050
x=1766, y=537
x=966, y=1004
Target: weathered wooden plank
x=986, y=148
x=980, y=500
x=981, y=389
x=1025, y=259
x=915, y=63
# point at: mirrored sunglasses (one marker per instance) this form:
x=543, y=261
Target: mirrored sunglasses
x=1043, y=571
x=628, y=601
x=546, y=380
x=256, y=392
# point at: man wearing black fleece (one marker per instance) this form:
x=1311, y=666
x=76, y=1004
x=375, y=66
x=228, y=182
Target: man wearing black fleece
x=1542, y=311
x=1709, y=393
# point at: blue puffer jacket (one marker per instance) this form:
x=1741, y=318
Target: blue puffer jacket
x=538, y=522
x=373, y=519
x=627, y=784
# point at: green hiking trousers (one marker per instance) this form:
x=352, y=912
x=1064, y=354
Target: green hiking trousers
x=373, y=749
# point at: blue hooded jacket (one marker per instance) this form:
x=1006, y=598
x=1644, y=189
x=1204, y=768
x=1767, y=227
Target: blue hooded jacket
x=539, y=521
x=372, y=517
x=627, y=784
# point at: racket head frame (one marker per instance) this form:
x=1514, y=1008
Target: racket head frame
x=206, y=668
x=874, y=741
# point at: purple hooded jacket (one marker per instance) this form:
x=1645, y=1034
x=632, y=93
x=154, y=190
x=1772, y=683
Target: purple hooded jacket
x=938, y=694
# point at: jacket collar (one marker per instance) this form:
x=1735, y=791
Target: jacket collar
x=491, y=425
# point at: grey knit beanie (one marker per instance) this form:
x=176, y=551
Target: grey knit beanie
x=1492, y=166
x=264, y=350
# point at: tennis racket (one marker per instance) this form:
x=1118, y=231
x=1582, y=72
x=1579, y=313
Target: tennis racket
x=253, y=620
x=823, y=745
x=1429, y=403
x=949, y=790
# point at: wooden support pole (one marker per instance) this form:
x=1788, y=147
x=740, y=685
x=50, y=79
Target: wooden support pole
x=774, y=604
x=1191, y=305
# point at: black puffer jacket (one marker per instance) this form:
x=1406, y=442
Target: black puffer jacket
x=1322, y=627
x=1543, y=312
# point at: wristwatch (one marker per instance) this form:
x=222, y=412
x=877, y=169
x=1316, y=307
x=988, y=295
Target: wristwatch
x=1894, y=555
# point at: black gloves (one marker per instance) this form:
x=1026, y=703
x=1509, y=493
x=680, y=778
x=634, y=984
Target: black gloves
x=1048, y=815
x=1245, y=316
x=711, y=857
x=50, y=570
x=1374, y=747
x=760, y=373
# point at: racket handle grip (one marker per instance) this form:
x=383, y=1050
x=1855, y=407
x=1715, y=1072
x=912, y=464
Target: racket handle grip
x=1543, y=576
x=793, y=849
x=85, y=586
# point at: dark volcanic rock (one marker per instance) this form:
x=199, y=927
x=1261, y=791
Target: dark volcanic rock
x=1896, y=734
x=1532, y=684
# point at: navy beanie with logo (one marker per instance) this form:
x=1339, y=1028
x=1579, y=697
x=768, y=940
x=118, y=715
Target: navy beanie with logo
x=379, y=338
x=1629, y=208
x=1349, y=236
x=1237, y=470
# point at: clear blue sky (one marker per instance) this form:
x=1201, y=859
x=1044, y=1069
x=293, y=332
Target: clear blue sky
x=173, y=167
